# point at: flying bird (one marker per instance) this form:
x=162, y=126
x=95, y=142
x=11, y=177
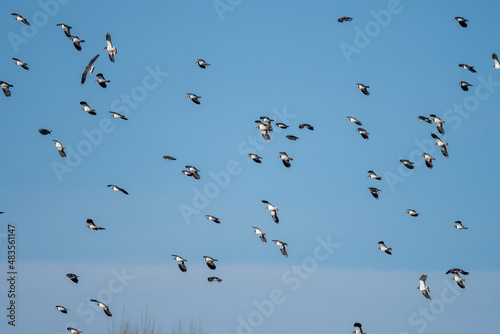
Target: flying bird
x=5, y=88
x=363, y=133
x=412, y=213
x=44, y=132
x=101, y=80
x=255, y=157
x=20, y=63
x=423, y=288
x=465, y=85
x=201, y=63
x=306, y=126
x=180, y=262
x=195, y=98
x=20, y=18
x=65, y=28
x=424, y=119
x=495, y=61
x=281, y=125
x=345, y=19
x=117, y=115
x=61, y=309
x=168, y=157
x=285, y=158
x=104, y=307
x=384, y=248
x=273, y=210
x=110, y=48
x=214, y=279
x=407, y=163
x=60, y=148
x=72, y=277
x=116, y=188
x=293, y=138
x=73, y=330
x=76, y=42
x=86, y=108
x=428, y=160
x=357, y=327
x=456, y=276
x=260, y=234
x=459, y=226
x=265, y=129
x=467, y=67
x=89, y=68
x=372, y=175
x=461, y=21
x=374, y=191
x=194, y=172
x=363, y=89
x=442, y=145
x=282, y=247
x=212, y=218
x=439, y=123
x=210, y=262
x=91, y=226
x=354, y=120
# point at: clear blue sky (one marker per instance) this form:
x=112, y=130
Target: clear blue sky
x=288, y=62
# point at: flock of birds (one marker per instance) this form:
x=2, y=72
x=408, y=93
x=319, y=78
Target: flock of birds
x=265, y=126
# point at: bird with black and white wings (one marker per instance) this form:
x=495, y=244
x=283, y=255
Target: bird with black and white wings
x=21, y=63
x=261, y=234
x=104, y=307
x=428, y=160
x=357, y=329
x=363, y=88
x=460, y=226
x=44, y=132
x=412, y=213
x=495, y=61
x=265, y=129
x=439, y=123
x=424, y=119
x=6, y=88
x=461, y=21
x=468, y=67
x=117, y=115
x=255, y=158
x=73, y=277
x=60, y=148
x=273, y=210
x=384, y=248
x=195, y=98
x=354, y=120
x=374, y=191
x=456, y=276
x=423, y=288
x=442, y=145
x=18, y=17
x=76, y=42
x=214, y=279
x=86, y=108
x=73, y=330
x=373, y=175
x=101, y=80
x=116, y=188
x=282, y=245
x=363, y=133
x=110, y=48
x=344, y=19
x=93, y=227
x=306, y=126
x=213, y=218
x=89, y=69
x=281, y=125
x=408, y=164
x=465, y=85
x=180, y=262
x=202, y=64
x=61, y=309
x=194, y=172
x=286, y=159
x=66, y=28
x=210, y=262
